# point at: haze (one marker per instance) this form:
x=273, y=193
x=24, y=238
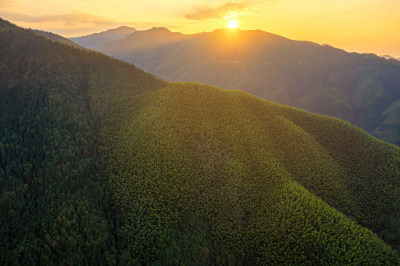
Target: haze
x=353, y=25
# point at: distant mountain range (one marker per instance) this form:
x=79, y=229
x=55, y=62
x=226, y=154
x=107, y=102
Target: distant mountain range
x=363, y=89
x=97, y=40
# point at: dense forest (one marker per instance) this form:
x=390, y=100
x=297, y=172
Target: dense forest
x=103, y=163
x=363, y=89
x=54, y=204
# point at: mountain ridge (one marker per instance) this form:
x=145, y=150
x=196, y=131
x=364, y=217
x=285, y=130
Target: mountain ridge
x=96, y=40
x=142, y=40
x=359, y=88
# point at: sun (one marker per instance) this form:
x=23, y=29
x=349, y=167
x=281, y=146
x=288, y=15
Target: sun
x=232, y=24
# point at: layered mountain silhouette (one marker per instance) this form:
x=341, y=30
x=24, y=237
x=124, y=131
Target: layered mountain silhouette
x=96, y=40
x=363, y=89
x=103, y=163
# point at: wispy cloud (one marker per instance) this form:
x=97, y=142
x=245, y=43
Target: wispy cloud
x=79, y=19
x=227, y=10
x=76, y=23
x=6, y=3
x=73, y=18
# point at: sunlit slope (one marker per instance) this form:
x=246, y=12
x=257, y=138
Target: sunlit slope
x=362, y=89
x=201, y=175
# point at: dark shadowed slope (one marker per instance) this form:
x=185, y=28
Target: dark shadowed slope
x=54, y=206
x=103, y=164
x=363, y=89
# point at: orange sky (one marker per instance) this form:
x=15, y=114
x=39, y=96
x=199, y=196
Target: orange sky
x=353, y=25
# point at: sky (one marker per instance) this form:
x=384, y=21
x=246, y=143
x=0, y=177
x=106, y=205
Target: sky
x=366, y=26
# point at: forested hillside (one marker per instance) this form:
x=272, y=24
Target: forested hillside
x=54, y=205
x=223, y=177
x=363, y=89
x=102, y=163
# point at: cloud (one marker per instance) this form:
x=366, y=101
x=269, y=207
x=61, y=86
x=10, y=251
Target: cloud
x=68, y=19
x=77, y=19
x=75, y=23
x=6, y=3
x=227, y=10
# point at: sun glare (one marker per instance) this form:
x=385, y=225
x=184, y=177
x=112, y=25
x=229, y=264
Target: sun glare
x=233, y=24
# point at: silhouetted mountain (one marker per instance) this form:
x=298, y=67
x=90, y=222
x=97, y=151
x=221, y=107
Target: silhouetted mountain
x=363, y=89
x=141, y=41
x=102, y=163
x=96, y=40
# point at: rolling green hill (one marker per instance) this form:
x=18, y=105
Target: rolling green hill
x=102, y=163
x=358, y=88
x=223, y=176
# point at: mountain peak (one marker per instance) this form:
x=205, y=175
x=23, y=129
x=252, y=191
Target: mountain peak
x=96, y=40
x=122, y=29
x=159, y=29
x=125, y=28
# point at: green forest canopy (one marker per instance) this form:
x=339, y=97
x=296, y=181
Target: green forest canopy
x=102, y=163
